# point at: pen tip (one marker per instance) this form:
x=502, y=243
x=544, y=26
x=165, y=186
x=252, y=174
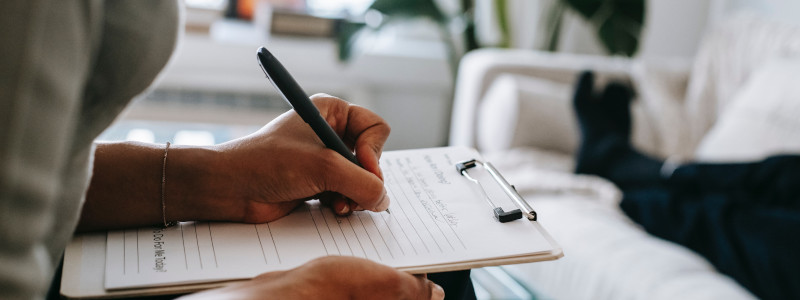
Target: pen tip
x=263, y=52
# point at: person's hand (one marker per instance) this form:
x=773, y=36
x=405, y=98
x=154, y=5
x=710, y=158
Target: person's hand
x=332, y=277
x=263, y=176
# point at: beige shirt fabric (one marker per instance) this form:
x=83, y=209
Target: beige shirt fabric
x=67, y=69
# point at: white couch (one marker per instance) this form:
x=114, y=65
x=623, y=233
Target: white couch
x=741, y=93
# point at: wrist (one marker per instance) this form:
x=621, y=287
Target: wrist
x=195, y=188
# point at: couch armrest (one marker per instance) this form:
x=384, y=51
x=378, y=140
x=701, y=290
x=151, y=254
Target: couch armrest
x=480, y=68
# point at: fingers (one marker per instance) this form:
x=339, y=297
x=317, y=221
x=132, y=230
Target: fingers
x=370, y=133
x=362, y=187
x=363, y=279
x=360, y=128
x=428, y=289
x=270, y=275
x=437, y=292
x=366, y=132
x=338, y=203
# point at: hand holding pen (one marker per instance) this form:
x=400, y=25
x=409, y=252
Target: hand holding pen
x=368, y=146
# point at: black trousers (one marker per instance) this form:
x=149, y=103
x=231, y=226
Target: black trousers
x=456, y=284
x=744, y=218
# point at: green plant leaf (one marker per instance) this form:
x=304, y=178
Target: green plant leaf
x=501, y=7
x=586, y=8
x=346, y=37
x=468, y=15
x=618, y=22
x=553, y=24
x=619, y=34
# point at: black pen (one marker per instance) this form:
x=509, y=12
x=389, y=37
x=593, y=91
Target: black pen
x=301, y=104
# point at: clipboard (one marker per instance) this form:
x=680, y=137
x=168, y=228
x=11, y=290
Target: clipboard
x=420, y=173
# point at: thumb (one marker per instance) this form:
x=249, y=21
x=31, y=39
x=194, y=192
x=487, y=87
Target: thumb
x=359, y=185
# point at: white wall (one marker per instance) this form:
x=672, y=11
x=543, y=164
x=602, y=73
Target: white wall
x=784, y=10
x=673, y=28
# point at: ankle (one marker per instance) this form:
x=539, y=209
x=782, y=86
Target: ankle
x=597, y=156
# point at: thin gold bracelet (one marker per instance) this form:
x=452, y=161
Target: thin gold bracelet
x=163, y=185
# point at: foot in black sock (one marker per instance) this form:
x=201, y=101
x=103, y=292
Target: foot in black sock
x=605, y=124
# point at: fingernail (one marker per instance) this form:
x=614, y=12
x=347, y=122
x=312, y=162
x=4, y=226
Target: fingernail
x=437, y=293
x=345, y=209
x=383, y=204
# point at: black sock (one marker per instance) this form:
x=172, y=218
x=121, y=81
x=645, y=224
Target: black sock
x=604, y=121
x=631, y=168
x=605, y=124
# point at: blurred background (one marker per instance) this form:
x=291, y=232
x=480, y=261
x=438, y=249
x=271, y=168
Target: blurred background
x=429, y=66
x=397, y=58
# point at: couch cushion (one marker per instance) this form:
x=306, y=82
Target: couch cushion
x=726, y=60
x=523, y=111
x=606, y=256
x=761, y=120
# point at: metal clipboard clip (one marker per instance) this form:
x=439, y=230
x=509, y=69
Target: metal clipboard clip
x=510, y=190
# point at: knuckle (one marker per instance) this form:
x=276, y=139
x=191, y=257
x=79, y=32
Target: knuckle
x=324, y=99
x=320, y=262
x=384, y=127
x=377, y=149
x=401, y=286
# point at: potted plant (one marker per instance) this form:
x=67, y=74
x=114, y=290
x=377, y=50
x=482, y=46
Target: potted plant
x=617, y=23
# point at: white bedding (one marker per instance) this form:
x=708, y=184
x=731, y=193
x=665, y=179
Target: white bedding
x=607, y=256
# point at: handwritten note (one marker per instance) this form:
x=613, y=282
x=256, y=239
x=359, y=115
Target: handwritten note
x=436, y=218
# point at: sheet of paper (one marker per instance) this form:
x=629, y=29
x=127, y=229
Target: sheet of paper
x=436, y=217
